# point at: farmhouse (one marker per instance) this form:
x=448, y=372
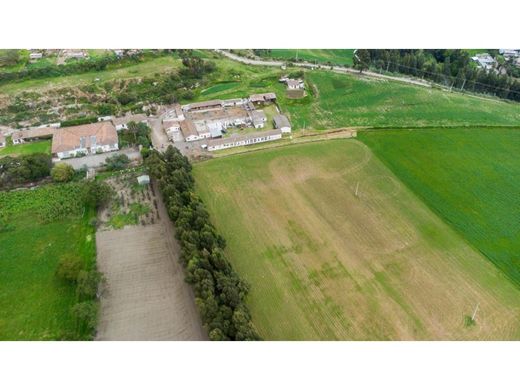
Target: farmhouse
x=2, y=141
x=258, y=118
x=243, y=140
x=202, y=106
x=281, y=122
x=295, y=84
x=263, y=98
x=484, y=61
x=189, y=131
x=175, y=113
x=85, y=139
x=27, y=135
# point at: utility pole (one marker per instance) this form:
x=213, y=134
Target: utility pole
x=296, y=55
x=463, y=84
x=357, y=188
x=475, y=312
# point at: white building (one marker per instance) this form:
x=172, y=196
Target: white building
x=295, y=84
x=485, y=61
x=35, y=55
x=281, y=122
x=93, y=138
x=244, y=140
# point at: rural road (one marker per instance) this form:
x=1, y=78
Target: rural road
x=336, y=69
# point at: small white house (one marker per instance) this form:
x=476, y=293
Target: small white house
x=295, y=84
x=143, y=180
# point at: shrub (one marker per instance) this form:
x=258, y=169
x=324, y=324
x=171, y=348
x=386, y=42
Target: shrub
x=117, y=162
x=85, y=314
x=69, y=268
x=62, y=172
x=88, y=283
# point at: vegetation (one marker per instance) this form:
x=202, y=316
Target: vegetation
x=468, y=177
x=117, y=162
x=26, y=148
x=342, y=57
x=48, y=243
x=122, y=219
x=23, y=169
x=136, y=134
x=452, y=68
x=219, y=291
x=62, y=172
x=326, y=263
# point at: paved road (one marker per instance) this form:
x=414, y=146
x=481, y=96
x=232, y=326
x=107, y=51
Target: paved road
x=96, y=160
x=309, y=65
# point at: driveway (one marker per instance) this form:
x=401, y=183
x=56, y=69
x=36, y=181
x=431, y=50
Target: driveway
x=96, y=160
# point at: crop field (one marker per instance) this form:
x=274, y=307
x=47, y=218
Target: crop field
x=38, y=228
x=333, y=56
x=27, y=148
x=470, y=177
x=326, y=264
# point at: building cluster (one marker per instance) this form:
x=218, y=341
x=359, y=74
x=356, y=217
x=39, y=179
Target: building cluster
x=210, y=119
x=484, y=61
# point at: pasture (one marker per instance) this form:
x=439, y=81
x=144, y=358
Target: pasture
x=325, y=264
x=37, y=228
x=470, y=177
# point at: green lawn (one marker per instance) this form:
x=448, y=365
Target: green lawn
x=325, y=263
x=40, y=227
x=26, y=148
x=334, y=56
x=470, y=177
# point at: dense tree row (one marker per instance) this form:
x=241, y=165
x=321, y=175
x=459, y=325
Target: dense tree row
x=220, y=293
x=18, y=170
x=452, y=68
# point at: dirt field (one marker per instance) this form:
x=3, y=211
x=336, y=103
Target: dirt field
x=326, y=264
x=145, y=297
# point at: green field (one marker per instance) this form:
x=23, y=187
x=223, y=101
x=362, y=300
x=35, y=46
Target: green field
x=327, y=264
x=324, y=56
x=470, y=177
x=339, y=100
x=38, y=228
x=26, y=148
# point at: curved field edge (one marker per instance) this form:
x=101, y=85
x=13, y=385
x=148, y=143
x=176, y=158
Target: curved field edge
x=469, y=177
x=325, y=264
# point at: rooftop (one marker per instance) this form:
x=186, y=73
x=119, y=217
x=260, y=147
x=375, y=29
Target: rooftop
x=84, y=136
x=244, y=137
x=281, y=121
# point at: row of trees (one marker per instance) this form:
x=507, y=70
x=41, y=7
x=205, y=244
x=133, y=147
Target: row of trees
x=452, y=68
x=220, y=293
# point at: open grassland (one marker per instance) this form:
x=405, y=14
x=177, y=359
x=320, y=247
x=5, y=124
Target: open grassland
x=326, y=264
x=470, y=177
x=324, y=56
x=27, y=148
x=39, y=227
x=340, y=100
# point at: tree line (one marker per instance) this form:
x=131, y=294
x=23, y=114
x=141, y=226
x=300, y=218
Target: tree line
x=451, y=68
x=220, y=292
x=23, y=169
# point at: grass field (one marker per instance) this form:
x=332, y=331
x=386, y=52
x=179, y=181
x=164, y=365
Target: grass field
x=334, y=56
x=326, y=264
x=27, y=148
x=470, y=177
x=42, y=226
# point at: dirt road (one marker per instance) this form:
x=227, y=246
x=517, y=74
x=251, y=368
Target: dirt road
x=146, y=297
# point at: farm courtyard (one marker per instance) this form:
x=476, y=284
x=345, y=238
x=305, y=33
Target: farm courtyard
x=327, y=264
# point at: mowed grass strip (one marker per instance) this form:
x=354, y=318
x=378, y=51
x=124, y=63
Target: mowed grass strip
x=34, y=304
x=26, y=148
x=334, y=56
x=325, y=264
x=470, y=177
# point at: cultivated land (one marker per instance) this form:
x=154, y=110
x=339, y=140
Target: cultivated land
x=43, y=225
x=146, y=297
x=470, y=177
x=325, y=264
